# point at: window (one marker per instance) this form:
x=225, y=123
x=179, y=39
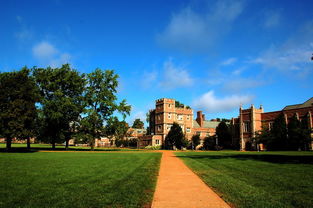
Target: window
x=188, y=117
x=169, y=116
x=246, y=127
x=198, y=133
x=179, y=117
x=169, y=127
x=159, y=127
x=159, y=117
x=207, y=134
x=188, y=130
x=157, y=141
x=139, y=131
x=169, y=105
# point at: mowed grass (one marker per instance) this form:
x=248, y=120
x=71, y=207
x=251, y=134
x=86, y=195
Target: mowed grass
x=36, y=147
x=78, y=179
x=256, y=179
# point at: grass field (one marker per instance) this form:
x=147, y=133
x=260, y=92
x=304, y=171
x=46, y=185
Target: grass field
x=36, y=147
x=78, y=179
x=256, y=179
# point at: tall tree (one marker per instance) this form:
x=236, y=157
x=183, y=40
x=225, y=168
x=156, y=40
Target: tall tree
x=116, y=129
x=175, y=137
x=138, y=124
x=224, y=135
x=61, y=104
x=18, y=95
x=101, y=102
x=294, y=134
x=195, y=141
x=279, y=134
x=306, y=139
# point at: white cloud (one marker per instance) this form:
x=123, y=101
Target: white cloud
x=44, y=50
x=229, y=61
x=272, y=19
x=239, y=70
x=148, y=79
x=48, y=54
x=190, y=31
x=211, y=104
x=175, y=76
x=293, y=55
x=236, y=85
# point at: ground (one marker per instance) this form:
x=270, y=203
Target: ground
x=78, y=179
x=256, y=179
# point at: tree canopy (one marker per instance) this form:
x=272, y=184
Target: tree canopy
x=18, y=96
x=175, y=137
x=138, y=124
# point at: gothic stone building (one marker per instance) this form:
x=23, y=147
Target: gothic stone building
x=166, y=113
x=253, y=119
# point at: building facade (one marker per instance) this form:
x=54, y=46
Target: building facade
x=254, y=119
x=166, y=112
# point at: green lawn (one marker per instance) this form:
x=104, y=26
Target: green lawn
x=78, y=179
x=36, y=147
x=256, y=179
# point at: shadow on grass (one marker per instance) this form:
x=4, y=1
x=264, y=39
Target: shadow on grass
x=272, y=158
x=36, y=149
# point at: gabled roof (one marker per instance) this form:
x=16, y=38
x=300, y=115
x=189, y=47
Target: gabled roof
x=307, y=103
x=206, y=124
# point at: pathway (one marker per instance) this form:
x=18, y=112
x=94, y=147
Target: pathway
x=178, y=187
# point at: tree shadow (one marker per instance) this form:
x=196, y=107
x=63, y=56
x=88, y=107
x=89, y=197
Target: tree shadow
x=272, y=158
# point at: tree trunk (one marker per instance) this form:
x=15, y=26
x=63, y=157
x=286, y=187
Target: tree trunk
x=9, y=143
x=53, y=145
x=92, y=145
x=28, y=143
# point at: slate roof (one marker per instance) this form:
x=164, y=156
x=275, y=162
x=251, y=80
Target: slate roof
x=307, y=103
x=206, y=124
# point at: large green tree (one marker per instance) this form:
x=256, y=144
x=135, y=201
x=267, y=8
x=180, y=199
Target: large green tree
x=223, y=134
x=101, y=103
x=175, y=137
x=61, y=104
x=18, y=96
x=138, y=124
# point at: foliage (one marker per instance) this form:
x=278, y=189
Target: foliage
x=138, y=124
x=78, y=179
x=61, y=104
x=195, y=140
x=175, y=137
x=209, y=143
x=101, y=102
x=224, y=135
x=149, y=147
x=118, y=130
x=18, y=95
x=266, y=179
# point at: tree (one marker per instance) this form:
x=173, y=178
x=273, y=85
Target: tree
x=175, y=137
x=278, y=139
x=101, y=102
x=294, y=134
x=18, y=95
x=195, y=141
x=138, y=124
x=306, y=139
x=117, y=129
x=224, y=135
x=209, y=143
x=61, y=104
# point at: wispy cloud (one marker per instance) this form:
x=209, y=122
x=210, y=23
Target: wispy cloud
x=212, y=104
x=272, y=19
x=293, y=55
x=148, y=79
x=24, y=33
x=229, y=61
x=237, y=85
x=192, y=32
x=175, y=76
x=48, y=54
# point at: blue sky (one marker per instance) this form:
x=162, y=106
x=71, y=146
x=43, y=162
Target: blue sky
x=211, y=55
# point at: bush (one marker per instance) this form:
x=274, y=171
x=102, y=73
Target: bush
x=209, y=143
x=149, y=147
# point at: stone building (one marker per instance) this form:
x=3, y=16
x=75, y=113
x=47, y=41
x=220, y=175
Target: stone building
x=253, y=119
x=166, y=112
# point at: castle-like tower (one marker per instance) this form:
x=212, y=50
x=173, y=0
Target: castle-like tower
x=166, y=113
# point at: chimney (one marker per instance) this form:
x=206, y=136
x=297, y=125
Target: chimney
x=200, y=118
x=203, y=117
